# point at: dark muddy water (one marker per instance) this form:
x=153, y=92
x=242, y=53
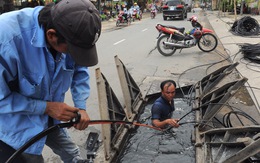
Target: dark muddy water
x=146, y=145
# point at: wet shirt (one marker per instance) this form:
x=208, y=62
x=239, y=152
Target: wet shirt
x=162, y=109
x=29, y=76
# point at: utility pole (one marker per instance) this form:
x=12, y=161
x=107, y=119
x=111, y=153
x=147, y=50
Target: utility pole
x=242, y=7
x=235, y=9
x=98, y=6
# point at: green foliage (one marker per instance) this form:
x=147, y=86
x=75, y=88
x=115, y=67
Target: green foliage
x=150, y=1
x=103, y=16
x=230, y=8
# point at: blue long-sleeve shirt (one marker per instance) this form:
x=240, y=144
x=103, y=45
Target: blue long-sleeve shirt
x=29, y=77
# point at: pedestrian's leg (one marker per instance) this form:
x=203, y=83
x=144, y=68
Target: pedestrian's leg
x=61, y=144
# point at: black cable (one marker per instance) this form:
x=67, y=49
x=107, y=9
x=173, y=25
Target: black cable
x=209, y=64
x=185, y=115
x=178, y=80
x=188, y=122
x=227, y=119
x=251, y=51
x=246, y=26
x=196, y=122
x=41, y=135
x=256, y=100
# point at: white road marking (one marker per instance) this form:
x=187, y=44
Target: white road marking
x=119, y=42
x=144, y=29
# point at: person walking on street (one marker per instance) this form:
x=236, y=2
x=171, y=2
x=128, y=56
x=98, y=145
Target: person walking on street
x=44, y=51
x=163, y=107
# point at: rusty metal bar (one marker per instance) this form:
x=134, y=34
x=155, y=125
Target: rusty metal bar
x=211, y=80
x=252, y=128
x=131, y=92
x=114, y=135
x=222, y=147
x=246, y=140
x=249, y=151
x=220, y=95
x=110, y=109
x=106, y=129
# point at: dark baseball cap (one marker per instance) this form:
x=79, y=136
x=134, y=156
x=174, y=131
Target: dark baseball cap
x=78, y=21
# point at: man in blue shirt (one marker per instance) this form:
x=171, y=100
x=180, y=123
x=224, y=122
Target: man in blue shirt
x=44, y=52
x=163, y=107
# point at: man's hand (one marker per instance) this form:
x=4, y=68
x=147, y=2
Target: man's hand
x=84, y=120
x=61, y=111
x=172, y=122
x=161, y=124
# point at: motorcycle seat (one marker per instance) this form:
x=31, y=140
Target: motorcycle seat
x=181, y=29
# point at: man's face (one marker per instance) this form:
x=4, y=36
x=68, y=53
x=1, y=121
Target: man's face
x=60, y=47
x=168, y=91
x=53, y=41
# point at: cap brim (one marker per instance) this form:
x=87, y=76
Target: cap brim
x=83, y=57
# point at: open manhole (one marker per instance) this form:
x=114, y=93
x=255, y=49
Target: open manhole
x=148, y=145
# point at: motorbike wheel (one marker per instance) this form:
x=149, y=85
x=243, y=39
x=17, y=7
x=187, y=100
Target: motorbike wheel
x=163, y=49
x=117, y=23
x=152, y=15
x=129, y=21
x=140, y=16
x=208, y=42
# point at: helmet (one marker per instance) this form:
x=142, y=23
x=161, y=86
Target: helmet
x=193, y=19
x=135, y=3
x=197, y=33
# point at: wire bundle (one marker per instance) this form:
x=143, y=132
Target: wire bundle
x=251, y=51
x=246, y=26
x=228, y=122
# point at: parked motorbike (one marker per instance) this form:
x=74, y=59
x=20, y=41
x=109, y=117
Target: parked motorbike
x=153, y=13
x=135, y=15
x=123, y=18
x=171, y=38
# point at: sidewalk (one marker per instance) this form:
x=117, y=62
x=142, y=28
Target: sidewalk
x=222, y=23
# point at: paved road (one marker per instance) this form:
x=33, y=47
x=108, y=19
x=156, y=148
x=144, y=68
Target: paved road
x=111, y=23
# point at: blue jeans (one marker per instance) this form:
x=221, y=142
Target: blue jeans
x=61, y=144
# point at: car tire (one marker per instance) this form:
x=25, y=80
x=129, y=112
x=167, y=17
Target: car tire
x=164, y=17
x=183, y=16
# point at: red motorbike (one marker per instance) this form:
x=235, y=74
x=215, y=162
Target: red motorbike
x=172, y=38
x=135, y=15
x=123, y=18
x=153, y=13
